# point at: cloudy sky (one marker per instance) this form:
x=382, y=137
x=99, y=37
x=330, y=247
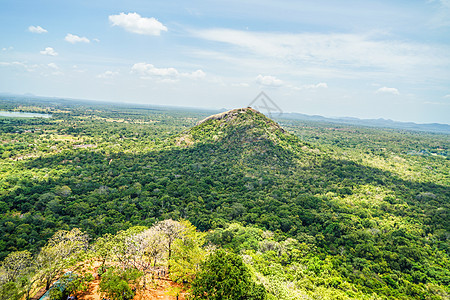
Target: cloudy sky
x=366, y=59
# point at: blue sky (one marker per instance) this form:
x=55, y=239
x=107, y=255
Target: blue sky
x=367, y=59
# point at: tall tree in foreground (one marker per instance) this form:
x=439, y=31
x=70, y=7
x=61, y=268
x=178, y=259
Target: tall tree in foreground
x=143, y=250
x=187, y=254
x=171, y=230
x=17, y=275
x=102, y=248
x=61, y=251
x=225, y=277
x=16, y=264
x=115, y=283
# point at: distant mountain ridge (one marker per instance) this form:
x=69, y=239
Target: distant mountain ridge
x=386, y=123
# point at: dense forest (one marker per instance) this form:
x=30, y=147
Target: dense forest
x=302, y=209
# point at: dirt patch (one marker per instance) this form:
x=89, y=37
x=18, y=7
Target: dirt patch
x=92, y=293
x=161, y=289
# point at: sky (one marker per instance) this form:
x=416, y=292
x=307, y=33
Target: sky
x=366, y=59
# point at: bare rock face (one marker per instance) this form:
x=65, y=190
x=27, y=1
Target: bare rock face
x=228, y=115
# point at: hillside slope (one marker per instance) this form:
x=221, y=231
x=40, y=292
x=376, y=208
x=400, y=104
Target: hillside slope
x=379, y=227
x=357, y=227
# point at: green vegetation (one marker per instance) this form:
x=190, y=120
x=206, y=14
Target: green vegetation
x=70, y=284
x=225, y=276
x=319, y=211
x=116, y=282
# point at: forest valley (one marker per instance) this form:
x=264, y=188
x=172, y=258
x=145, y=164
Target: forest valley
x=231, y=206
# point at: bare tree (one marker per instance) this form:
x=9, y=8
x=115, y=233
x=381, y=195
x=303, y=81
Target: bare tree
x=121, y=246
x=144, y=249
x=171, y=230
x=153, y=244
x=136, y=254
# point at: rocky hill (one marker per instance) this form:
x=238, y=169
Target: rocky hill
x=312, y=220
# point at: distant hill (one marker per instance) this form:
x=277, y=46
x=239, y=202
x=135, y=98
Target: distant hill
x=244, y=125
x=385, y=123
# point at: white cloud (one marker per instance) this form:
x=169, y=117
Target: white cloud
x=133, y=22
x=388, y=90
x=108, y=74
x=436, y=103
x=443, y=3
x=272, y=81
x=268, y=81
x=72, y=38
x=56, y=73
x=199, y=74
x=168, y=80
x=333, y=55
x=96, y=40
x=442, y=15
x=447, y=96
x=53, y=66
x=150, y=70
x=316, y=86
x=55, y=69
x=49, y=51
x=36, y=29
x=27, y=67
x=41, y=69
x=14, y=63
x=77, y=69
x=147, y=71
x=242, y=84
x=320, y=85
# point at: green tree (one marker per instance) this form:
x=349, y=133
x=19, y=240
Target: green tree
x=18, y=272
x=187, y=253
x=61, y=251
x=115, y=283
x=224, y=276
x=102, y=248
x=71, y=284
x=10, y=291
x=16, y=264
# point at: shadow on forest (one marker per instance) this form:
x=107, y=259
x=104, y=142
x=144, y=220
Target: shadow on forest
x=208, y=184
x=214, y=162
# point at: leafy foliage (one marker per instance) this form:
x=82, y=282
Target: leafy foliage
x=224, y=276
x=353, y=212
x=188, y=253
x=115, y=283
x=62, y=250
